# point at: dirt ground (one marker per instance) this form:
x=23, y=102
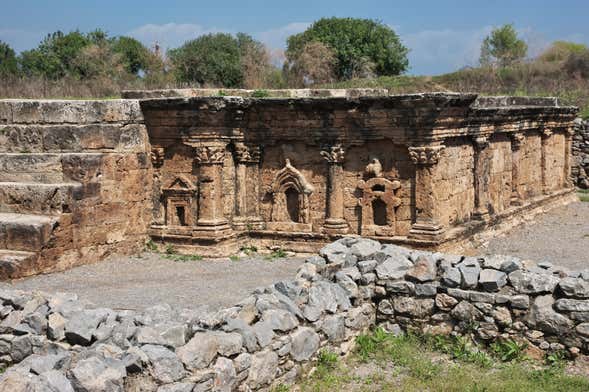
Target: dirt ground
x=561, y=237
x=140, y=282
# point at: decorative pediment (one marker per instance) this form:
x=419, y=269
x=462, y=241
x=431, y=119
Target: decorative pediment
x=289, y=177
x=180, y=183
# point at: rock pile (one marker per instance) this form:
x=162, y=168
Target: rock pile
x=58, y=343
x=580, y=167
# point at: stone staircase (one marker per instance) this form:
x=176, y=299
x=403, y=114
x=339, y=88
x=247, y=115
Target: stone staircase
x=73, y=183
x=36, y=196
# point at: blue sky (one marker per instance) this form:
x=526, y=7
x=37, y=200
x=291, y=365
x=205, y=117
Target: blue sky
x=442, y=35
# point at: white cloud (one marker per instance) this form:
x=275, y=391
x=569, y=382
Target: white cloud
x=439, y=51
x=170, y=35
x=276, y=38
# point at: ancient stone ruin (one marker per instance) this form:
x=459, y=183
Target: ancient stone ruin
x=208, y=175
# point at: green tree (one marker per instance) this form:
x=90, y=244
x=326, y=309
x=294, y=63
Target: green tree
x=362, y=47
x=503, y=47
x=55, y=56
x=8, y=64
x=562, y=50
x=134, y=55
x=211, y=59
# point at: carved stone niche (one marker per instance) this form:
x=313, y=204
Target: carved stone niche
x=290, y=201
x=179, y=201
x=379, y=202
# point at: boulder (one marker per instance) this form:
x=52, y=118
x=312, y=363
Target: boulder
x=96, y=375
x=199, y=352
x=465, y=311
x=393, y=268
x=469, y=271
x=492, y=280
x=263, y=369
x=543, y=317
x=574, y=287
x=424, y=270
x=419, y=308
x=280, y=320
x=451, y=277
x=305, y=342
x=165, y=365
x=365, y=248
x=572, y=305
x=533, y=283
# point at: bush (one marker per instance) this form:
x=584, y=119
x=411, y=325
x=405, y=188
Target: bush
x=361, y=47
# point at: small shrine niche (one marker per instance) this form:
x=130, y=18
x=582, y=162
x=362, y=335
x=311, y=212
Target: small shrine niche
x=179, y=201
x=379, y=201
x=290, y=200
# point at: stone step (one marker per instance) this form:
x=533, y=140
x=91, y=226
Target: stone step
x=30, y=168
x=14, y=264
x=24, y=232
x=38, y=198
x=48, y=167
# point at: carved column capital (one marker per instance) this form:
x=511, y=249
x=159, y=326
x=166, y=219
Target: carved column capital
x=425, y=155
x=545, y=133
x=517, y=140
x=481, y=142
x=247, y=154
x=570, y=131
x=334, y=154
x=157, y=156
x=204, y=155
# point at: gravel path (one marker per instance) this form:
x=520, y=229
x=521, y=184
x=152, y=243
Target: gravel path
x=561, y=237
x=137, y=283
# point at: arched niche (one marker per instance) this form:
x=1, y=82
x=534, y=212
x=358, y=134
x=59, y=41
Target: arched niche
x=379, y=203
x=290, y=200
x=179, y=201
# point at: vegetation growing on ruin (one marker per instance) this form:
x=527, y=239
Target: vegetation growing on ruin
x=386, y=362
x=331, y=53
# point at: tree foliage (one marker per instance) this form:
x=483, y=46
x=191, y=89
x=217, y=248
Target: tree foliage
x=315, y=64
x=362, y=47
x=211, y=59
x=503, y=47
x=8, y=64
x=562, y=50
x=134, y=55
x=222, y=60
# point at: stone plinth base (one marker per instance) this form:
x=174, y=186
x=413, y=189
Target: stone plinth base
x=298, y=237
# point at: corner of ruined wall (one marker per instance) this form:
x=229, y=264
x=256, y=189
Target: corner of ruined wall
x=104, y=149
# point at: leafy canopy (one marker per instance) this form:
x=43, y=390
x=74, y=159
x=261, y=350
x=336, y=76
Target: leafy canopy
x=362, y=47
x=220, y=60
x=8, y=64
x=503, y=47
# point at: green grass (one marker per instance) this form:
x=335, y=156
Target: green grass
x=276, y=254
x=583, y=194
x=426, y=363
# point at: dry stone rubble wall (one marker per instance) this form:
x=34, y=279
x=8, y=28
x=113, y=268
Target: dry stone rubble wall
x=56, y=342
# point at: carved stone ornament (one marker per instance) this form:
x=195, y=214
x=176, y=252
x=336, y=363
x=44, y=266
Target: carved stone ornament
x=247, y=154
x=546, y=133
x=517, y=140
x=157, y=156
x=333, y=154
x=426, y=155
x=373, y=169
x=481, y=142
x=209, y=155
x=289, y=179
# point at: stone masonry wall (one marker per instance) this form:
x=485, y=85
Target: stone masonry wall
x=580, y=170
x=55, y=342
x=74, y=183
